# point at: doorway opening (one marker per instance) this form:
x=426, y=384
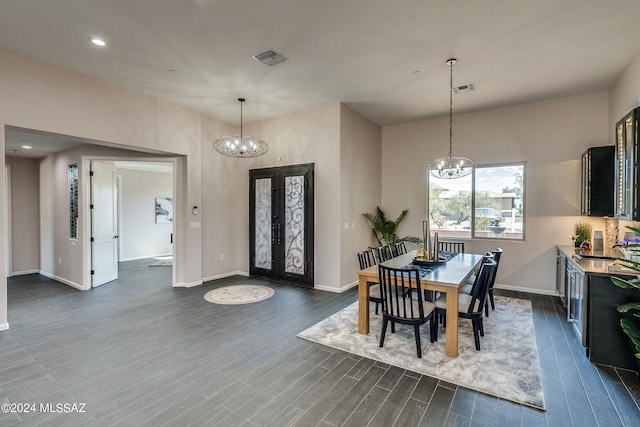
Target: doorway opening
x=131, y=211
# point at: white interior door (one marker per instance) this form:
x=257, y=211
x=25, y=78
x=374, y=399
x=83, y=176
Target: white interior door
x=104, y=226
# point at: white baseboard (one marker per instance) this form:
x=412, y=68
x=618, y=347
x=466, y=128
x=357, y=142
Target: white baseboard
x=187, y=284
x=527, y=290
x=334, y=289
x=62, y=280
x=225, y=275
x=4, y=326
x=24, y=273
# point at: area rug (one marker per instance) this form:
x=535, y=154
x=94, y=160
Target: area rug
x=239, y=294
x=163, y=262
x=506, y=367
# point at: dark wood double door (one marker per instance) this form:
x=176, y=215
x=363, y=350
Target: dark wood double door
x=281, y=223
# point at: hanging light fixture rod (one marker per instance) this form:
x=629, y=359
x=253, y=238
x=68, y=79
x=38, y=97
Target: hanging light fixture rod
x=451, y=167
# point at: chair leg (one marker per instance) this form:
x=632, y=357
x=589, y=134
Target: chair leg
x=393, y=327
x=376, y=308
x=481, y=326
x=416, y=331
x=476, y=337
x=493, y=306
x=486, y=308
x=384, y=330
x=433, y=325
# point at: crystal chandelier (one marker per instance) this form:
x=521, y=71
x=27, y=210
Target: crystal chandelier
x=242, y=146
x=451, y=167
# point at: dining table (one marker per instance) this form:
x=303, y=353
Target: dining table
x=446, y=277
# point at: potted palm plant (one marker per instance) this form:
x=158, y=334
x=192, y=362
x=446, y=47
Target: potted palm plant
x=630, y=322
x=385, y=231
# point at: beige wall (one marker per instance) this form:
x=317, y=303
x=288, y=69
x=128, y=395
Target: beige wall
x=550, y=136
x=140, y=236
x=47, y=98
x=625, y=96
x=310, y=136
x=25, y=213
x=360, y=180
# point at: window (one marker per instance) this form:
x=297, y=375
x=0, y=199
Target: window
x=73, y=201
x=488, y=204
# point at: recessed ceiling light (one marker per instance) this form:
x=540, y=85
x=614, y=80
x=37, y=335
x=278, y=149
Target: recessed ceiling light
x=98, y=42
x=27, y=147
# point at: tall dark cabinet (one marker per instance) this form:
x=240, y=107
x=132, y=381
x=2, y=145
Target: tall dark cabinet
x=598, y=165
x=626, y=171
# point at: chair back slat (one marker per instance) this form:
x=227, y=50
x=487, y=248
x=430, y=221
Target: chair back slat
x=384, y=253
x=366, y=259
x=451, y=246
x=497, y=253
x=401, y=248
x=398, y=302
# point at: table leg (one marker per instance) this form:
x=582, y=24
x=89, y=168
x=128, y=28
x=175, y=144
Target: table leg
x=363, y=305
x=452, y=323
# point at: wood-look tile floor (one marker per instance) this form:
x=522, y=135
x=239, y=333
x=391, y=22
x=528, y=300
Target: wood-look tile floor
x=138, y=352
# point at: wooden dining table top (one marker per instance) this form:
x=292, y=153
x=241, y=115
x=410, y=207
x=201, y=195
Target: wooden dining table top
x=451, y=273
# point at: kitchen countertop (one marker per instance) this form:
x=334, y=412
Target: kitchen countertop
x=592, y=262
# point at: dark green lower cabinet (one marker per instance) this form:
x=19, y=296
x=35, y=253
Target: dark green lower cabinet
x=608, y=345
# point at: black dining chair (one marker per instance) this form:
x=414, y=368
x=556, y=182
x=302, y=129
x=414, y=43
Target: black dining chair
x=384, y=253
x=451, y=246
x=401, y=248
x=366, y=260
x=468, y=287
x=470, y=306
x=401, y=306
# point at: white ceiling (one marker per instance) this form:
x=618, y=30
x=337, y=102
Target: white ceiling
x=383, y=58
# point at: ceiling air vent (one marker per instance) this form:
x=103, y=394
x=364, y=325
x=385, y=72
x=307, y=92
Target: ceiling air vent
x=270, y=57
x=463, y=88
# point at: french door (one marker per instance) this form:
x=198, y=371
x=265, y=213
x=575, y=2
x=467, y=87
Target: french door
x=281, y=223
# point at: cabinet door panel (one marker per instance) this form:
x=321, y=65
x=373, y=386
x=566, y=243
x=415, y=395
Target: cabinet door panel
x=626, y=168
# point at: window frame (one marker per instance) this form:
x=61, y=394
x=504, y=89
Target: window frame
x=472, y=232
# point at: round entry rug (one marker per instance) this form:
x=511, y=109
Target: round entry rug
x=239, y=294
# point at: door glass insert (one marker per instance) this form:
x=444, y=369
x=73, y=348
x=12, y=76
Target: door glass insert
x=294, y=224
x=263, y=223
x=294, y=217
x=73, y=201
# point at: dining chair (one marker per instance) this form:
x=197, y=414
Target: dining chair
x=366, y=260
x=384, y=253
x=467, y=287
x=401, y=248
x=470, y=306
x=451, y=246
x=400, y=306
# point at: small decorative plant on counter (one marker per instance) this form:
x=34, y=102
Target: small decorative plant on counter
x=630, y=323
x=582, y=234
x=384, y=231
